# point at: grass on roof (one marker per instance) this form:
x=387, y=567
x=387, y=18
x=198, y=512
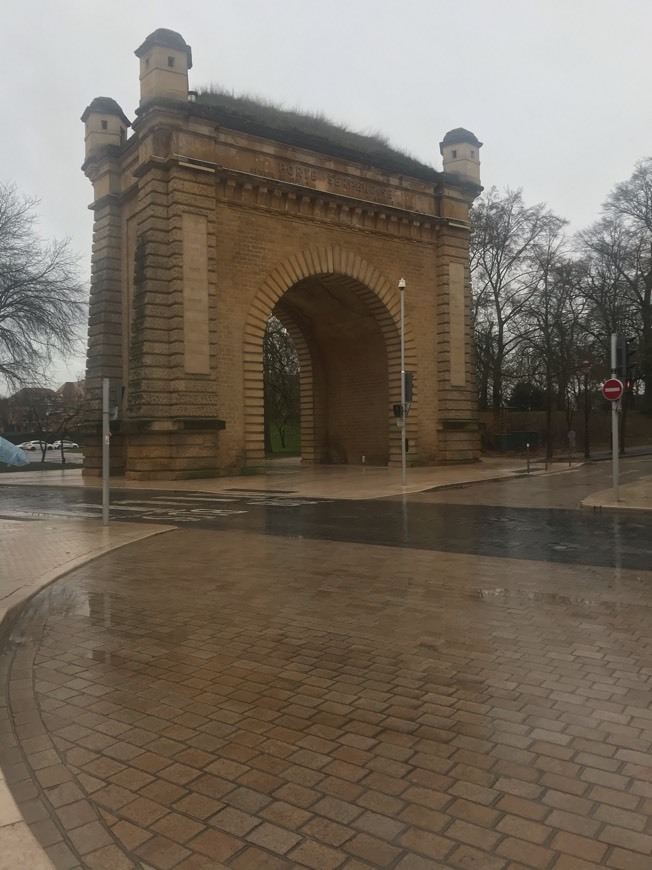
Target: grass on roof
x=261, y=112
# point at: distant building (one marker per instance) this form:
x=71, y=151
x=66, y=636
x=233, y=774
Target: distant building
x=71, y=390
x=16, y=411
x=29, y=405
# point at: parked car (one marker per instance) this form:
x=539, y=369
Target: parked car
x=67, y=445
x=34, y=445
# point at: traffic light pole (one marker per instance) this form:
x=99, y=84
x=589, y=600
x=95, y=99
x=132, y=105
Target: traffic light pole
x=615, y=447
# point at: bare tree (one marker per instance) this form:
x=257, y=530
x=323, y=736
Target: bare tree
x=281, y=380
x=504, y=272
x=603, y=248
x=32, y=408
x=42, y=300
x=68, y=412
x=556, y=313
x=618, y=249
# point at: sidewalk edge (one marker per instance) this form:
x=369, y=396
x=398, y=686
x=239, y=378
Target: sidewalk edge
x=19, y=848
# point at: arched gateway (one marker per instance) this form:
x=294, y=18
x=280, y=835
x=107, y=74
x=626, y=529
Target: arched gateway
x=217, y=213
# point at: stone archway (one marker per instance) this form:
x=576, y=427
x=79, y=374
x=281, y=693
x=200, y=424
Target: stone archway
x=208, y=196
x=344, y=317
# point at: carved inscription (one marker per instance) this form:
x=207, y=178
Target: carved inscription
x=335, y=181
x=298, y=174
x=195, y=294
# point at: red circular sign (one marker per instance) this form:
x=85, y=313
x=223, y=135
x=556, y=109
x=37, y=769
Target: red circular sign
x=612, y=389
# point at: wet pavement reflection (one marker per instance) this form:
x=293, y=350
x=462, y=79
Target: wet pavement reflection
x=562, y=536
x=334, y=686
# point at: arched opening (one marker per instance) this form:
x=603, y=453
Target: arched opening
x=345, y=390
x=282, y=391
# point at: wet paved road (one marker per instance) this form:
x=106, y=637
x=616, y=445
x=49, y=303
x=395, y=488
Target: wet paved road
x=430, y=521
x=564, y=489
x=338, y=685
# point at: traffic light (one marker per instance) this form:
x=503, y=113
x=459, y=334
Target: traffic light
x=408, y=386
x=631, y=363
x=621, y=357
x=398, y=410
x=626, y=360
x=116, y=397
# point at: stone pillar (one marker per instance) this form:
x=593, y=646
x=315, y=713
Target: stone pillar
x=457, y=400
x=149, y=358
x=104, y=358
x=172, y=420
x=459, y=434
x=193, y=309
x=105, y=136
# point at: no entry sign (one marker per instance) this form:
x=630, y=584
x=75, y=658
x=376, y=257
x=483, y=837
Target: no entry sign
x=612, y=389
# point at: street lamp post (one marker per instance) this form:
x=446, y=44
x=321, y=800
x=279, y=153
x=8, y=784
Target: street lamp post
x=586, y=365
x=401, y=287
x=106, y=431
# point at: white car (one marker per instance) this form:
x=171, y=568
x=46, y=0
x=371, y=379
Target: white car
x=67, y=445
x=34, y=445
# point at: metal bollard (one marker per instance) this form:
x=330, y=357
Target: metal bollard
x=527, y=448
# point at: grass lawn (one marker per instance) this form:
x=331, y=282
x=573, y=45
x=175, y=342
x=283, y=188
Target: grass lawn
x=292, y=441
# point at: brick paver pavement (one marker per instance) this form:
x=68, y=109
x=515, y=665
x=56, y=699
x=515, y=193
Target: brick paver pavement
x=204, y=700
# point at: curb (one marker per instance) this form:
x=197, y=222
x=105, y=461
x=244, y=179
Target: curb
x=612, y=506
x=19, y=848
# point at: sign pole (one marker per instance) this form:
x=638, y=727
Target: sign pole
x=401, y=287
x=105, y=451
x=615, y=447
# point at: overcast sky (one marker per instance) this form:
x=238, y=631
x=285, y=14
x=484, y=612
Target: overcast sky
x=558, y=90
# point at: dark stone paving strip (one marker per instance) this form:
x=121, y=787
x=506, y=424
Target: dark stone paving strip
x=70, y=829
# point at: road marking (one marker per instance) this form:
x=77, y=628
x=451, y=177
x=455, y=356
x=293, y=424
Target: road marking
x=170, y=500
x=282, y=502
x=150, y=508
x=55, y=513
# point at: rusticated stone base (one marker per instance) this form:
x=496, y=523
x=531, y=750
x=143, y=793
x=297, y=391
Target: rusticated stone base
x=93, y=454
x=459, y=441
x=150, y=452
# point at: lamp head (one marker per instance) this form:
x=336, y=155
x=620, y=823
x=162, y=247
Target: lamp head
x=401, y=284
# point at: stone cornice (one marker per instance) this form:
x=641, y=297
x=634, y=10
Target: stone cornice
x=111, y=199
x=105, y=154
x=249, y=190
x=111, y=158
x=235, y=178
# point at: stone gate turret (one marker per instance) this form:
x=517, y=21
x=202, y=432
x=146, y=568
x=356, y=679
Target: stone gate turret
x=460, y=151
x=105, y=124
x=165, y=59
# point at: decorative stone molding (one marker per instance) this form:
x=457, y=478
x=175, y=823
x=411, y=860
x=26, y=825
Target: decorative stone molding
x=364, y=280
